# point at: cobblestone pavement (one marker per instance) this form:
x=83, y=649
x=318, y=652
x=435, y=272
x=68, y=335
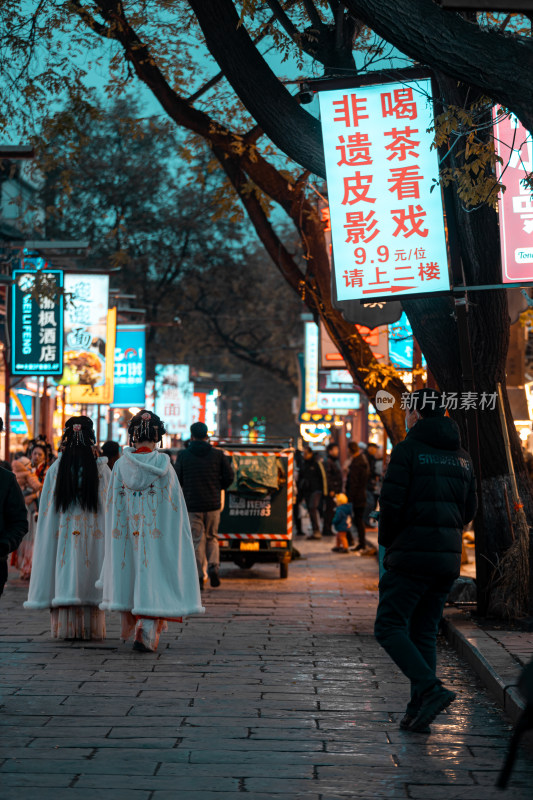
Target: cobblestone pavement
x=279, y=691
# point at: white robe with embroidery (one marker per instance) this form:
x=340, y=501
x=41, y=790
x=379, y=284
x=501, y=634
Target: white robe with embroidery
x=149, y=566
x=69, y=548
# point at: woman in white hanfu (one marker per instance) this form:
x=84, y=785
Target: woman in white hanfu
x=69, y=541
x=149, y=569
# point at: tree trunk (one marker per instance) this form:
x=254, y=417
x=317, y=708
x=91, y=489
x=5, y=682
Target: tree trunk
x=435, y=328
x=499, y=65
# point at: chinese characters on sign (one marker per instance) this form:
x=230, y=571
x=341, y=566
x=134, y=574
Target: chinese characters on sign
x=173, y=397
x=387, y=226
x=514, y=145
x=245, y=507
x=313, y=398
x=90, y=331
x=85, y=329
x=37, y=325
x=130, y=366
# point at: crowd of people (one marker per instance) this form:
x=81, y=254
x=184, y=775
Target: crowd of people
x=93, y=539
x=131, y=540
x=344, y=496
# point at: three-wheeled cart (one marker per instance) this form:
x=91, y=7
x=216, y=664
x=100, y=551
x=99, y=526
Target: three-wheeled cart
x=256, y=520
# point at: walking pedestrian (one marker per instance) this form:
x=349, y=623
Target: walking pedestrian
x=31, y=488
x=356, y=491
x=371, y=455
x=149, y=572
x=13, y=518
x=111, y=450
x=428, y=495
x=334, y=486
x=312, y=488
x=204, y=472
x=69, y=541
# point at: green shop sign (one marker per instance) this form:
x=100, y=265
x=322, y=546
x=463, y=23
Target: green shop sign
x=37, y=322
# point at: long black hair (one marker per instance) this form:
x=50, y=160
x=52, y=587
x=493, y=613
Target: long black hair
x=146, y=427
x=77, y=473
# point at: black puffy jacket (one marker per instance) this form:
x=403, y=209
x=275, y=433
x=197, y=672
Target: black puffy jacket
x=333, y=475
x=357, y=479
x=203, y=472
x=428, y=496
x=13, y=513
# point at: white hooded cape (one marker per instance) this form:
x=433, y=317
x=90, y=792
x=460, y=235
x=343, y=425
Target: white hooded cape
x=69, y=548
x=149, y=566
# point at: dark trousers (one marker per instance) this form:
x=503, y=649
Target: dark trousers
x=371, y=503
x=407, y=622
x=359, y=524
x=329, y=512
x=313, y=504
x=3, y=574
x=297, y=520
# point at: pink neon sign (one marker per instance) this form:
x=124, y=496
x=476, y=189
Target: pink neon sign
x=514, y=145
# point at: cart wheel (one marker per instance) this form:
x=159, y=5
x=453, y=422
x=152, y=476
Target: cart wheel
x=283, y=569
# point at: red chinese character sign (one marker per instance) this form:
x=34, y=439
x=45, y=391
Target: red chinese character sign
x=514, y=145
x=387, y=226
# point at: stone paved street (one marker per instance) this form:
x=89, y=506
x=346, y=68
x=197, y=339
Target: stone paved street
x=279, y=691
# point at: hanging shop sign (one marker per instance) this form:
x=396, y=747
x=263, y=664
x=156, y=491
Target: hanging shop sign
x=514, y=146
x=37, y=323
x=90, y=331
x=211, y=412
x=173, y=397
x=199, y=400
x=376, y=339
x=130, y=367
x=401, y=344
x=314, y=399
x=387, y=225
x=20, y=412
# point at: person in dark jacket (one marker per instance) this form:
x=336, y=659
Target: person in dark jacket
x=428, y=496
x=371, y=455
x=312, y=487
x=334, y=481
x=356, y=491
x=13, y=518
x=204, y=472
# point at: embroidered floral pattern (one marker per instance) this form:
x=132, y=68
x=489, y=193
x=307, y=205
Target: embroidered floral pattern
x=136, y=513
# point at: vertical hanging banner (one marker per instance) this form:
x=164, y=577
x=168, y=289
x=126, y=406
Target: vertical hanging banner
x=387, y=225
x=174, y=397
x=514, y=145
x=37, y=323
x=90, y=331
x=130, y=367
x=199, y=400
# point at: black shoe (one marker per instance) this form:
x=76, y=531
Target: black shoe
x=433, y=702
x=357, y=548
x=201, y=582
x=141, y=648
x=406, y=721
x=214, y=579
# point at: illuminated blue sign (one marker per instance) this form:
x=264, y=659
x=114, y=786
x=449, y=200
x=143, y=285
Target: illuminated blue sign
x=401, y=344
x=130, y=366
